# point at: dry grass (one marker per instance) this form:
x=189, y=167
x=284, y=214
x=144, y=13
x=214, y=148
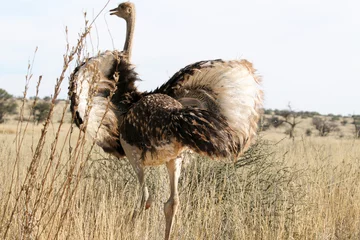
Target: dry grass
x=302, y=190
x=55, y=184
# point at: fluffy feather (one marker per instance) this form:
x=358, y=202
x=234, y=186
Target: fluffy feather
x=158, y=120
x=101, y=89
x=230, y=88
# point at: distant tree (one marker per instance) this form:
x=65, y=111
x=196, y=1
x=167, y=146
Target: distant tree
x=276, y=111
x=335, y=118
x=308, y=132
x=307, y=114
x=356, y=123
x=47, y=98
x=291, y=118
x=357, y=131
x=323, y=126
x=7, y=104
x=274, y=121
x=303, y=116
x=268, y=111
x=344, y=122
x=20, y=98
x=40, y=111
x=263, y=124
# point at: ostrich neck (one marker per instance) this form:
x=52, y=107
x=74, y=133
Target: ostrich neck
x=130, y=24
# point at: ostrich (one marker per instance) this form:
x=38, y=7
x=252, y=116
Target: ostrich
x=209, y=107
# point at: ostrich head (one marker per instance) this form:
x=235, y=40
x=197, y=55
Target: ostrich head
x=124, y=10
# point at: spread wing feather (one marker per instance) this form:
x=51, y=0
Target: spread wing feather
x=100, y=89
x=227, y=88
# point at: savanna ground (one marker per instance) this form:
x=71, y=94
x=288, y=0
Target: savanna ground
x=66, y=188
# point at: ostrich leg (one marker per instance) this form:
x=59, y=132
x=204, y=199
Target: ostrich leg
x=145, y=199
x=170, y=207
x=133, y=155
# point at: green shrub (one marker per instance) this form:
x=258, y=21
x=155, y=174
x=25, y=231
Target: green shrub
x=40, y=111
x=7, y=104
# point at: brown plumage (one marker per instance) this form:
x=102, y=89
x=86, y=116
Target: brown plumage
x=158, y=119
x=210, y=107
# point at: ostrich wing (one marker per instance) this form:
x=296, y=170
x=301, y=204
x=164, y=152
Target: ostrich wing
x=228, y=88
x=97, y=93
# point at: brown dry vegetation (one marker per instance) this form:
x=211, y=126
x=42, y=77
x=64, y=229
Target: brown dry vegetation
x=306, y=189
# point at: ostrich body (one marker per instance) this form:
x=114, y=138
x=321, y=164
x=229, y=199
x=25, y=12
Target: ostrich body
x=210, y=107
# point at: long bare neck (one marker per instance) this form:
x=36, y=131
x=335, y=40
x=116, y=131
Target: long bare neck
x=130, y=25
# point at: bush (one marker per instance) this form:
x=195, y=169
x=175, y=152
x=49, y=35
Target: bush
x=40, y=111
x=344, y=122
x=7, y=104
x=268, y=111
x=308, y=132
x=357, y=126
x=263, y=124
x=47, y=99
x=275, y=121
x=324, y=127
x=335, y=118
x=356, y=122
x=306, y=114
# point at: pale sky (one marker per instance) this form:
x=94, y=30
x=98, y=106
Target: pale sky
x=308, y=51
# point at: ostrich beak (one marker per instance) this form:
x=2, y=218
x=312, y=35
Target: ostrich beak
x=113, y=11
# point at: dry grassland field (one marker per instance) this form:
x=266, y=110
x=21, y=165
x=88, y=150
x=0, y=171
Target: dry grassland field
x=58, y=185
